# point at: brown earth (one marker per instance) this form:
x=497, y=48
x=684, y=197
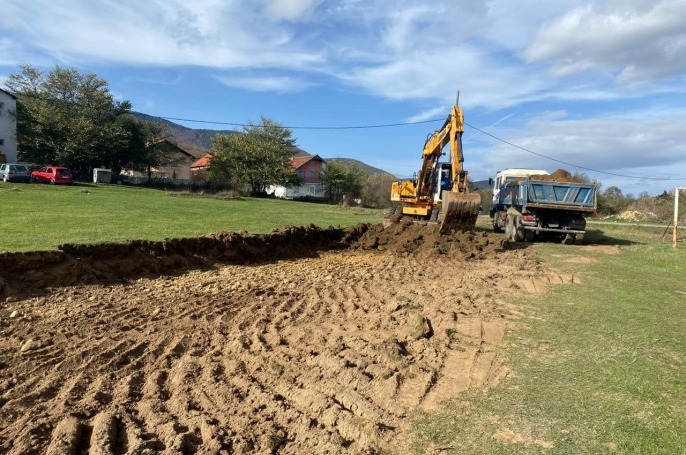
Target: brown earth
x=560, y=175
x=300, y=341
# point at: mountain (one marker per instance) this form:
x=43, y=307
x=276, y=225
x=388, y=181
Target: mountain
x=480, y=184
x=189, y=137
x=367, y=169
x=199, y=141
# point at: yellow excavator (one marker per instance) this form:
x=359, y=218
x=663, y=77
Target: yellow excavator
x=439, y=192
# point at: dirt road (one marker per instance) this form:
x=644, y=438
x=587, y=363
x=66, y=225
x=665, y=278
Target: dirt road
x=316, y=353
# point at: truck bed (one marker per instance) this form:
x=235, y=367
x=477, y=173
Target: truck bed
x=579, y=197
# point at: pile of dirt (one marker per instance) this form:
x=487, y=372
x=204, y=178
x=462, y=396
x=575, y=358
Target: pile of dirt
x=27, y=273
x=561, y=175
x=24, y=273
x=635, y=215
x=403, y=236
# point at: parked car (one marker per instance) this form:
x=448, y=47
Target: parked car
x=54, y=175
x=121, y=179
x=11, y=172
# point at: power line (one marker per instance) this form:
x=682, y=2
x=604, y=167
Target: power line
x=349, y=127
x=387, y=125
x=565, y=162
x=431, y=121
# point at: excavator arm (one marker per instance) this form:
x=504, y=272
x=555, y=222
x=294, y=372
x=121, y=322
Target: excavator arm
x=458, y=209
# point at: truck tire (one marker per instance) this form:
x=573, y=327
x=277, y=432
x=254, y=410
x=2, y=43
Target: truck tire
x=497, y=228
x=529, y=235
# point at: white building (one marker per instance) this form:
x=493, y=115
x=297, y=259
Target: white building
x=8, y=127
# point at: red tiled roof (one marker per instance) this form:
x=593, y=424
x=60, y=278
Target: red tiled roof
x=300, y=161
x=203, y=162
x=297, y=162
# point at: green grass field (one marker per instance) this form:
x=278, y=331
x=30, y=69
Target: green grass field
x=41, y=217
x=598, y=367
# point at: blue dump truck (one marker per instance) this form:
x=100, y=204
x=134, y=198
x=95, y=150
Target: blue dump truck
x=531, y=204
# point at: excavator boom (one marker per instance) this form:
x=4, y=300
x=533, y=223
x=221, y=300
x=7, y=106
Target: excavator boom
x=436, y=197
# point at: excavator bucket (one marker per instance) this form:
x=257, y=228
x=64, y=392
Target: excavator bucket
x=459, y=211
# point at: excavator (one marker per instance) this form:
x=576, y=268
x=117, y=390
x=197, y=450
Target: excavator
x=439, y=192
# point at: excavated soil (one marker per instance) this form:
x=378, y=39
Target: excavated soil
x=299, y=341
x=560, y=175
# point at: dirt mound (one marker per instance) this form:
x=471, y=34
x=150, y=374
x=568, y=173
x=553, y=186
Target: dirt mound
x=23, y=273
x=422, y=240
x=561, y=175
x=635, y=215
x=26, y=273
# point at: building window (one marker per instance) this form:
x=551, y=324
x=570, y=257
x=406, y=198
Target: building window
x=2, y=142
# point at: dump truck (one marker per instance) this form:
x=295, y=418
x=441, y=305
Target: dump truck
x=439, y=191
x=531, y=204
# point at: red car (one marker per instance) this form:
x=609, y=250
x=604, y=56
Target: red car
x=53, y=174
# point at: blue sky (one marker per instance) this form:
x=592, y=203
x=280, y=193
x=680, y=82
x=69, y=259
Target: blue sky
x=597, y=84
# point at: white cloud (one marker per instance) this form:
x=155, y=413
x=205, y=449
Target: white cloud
x=265, y=83
x=618, y=144
x=205, y=33
x=289, y=10
x=634, y=42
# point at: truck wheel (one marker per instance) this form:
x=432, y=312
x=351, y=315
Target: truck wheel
x=520, y=234
x=529, y=236
x=497, y=227
x=569, y=239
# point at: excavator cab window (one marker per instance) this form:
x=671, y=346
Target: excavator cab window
x=446, y=180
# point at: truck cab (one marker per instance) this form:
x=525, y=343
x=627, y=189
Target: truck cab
x=509, y=175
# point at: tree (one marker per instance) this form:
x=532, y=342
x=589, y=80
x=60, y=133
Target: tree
x=342, y=182
x=69, y=118
x=612, y=201
x=257, y=158
x=377, y=190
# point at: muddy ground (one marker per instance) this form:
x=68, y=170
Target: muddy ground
x=300, y=341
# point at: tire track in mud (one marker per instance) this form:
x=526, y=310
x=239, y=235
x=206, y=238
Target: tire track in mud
x=316, y=355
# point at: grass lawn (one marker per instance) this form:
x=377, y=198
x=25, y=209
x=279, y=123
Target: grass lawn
x=41, y=217
x=598, y=367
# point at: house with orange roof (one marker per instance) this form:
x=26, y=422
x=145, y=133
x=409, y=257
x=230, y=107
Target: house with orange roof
x=199, y=168
x=308, y=168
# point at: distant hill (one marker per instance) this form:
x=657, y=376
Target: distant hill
x=480, y=184
x=199, y=141
x=367, y=169
x=189, y=137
